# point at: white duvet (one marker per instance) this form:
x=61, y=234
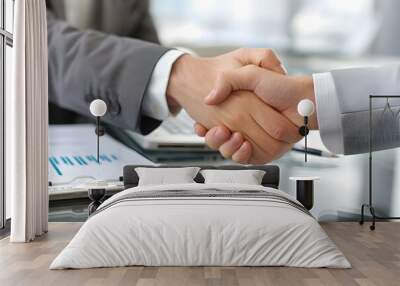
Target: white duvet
x=203, y=231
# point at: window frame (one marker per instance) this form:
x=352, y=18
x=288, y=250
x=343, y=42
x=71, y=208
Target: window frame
x=6, y=39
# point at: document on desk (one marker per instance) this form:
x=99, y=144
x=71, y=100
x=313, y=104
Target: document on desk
x=72, y=155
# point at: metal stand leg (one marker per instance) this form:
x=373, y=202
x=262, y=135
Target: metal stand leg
x=372, y=211
x=369, y=205
x=362, y=214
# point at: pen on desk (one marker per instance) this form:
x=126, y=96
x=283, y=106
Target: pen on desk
x=316, y=152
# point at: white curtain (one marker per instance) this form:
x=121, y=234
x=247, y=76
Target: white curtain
x=27, y=123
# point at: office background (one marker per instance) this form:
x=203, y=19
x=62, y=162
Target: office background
x=310, y=35
x=298, y=26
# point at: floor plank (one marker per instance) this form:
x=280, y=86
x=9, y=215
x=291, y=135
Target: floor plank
x=375, y=257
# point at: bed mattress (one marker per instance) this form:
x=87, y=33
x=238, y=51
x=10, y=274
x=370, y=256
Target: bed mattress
x=201, y=225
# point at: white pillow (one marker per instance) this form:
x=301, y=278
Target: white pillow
x=247, y=177
x=165, y=176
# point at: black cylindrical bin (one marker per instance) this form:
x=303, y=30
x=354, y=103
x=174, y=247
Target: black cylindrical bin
x=305, y=193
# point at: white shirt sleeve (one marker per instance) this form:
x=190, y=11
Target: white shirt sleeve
x=155, y=99
x=328, y=113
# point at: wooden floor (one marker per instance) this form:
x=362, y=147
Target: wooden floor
x=375, y=257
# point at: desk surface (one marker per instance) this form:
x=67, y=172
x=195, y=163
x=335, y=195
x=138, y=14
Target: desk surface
x=343, y=181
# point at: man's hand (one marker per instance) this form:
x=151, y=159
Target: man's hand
x=267, y=132
x=283, y=93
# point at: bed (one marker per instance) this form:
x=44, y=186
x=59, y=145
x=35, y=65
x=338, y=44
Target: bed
x=199, y=224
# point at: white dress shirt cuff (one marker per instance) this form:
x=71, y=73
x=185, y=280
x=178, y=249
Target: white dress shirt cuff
x=328, y=112
x=154, y=102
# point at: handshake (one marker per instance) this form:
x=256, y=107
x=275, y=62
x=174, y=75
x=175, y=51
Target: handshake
x=244, y=103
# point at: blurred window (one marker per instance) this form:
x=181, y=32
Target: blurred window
x=322, y=26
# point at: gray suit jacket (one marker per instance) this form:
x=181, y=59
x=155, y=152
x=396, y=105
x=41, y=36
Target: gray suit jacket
x=107, y=61
x=343, y=108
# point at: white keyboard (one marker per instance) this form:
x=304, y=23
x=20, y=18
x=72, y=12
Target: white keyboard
x=178, y=125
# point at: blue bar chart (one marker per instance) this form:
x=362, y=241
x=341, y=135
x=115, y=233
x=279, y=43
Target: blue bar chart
x=57, y=164
x=73, y=158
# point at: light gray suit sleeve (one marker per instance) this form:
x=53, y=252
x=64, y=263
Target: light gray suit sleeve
x=84, y=65
x=347, y=102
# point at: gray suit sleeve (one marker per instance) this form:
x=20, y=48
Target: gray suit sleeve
x=85, y=65
x=352, y=88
